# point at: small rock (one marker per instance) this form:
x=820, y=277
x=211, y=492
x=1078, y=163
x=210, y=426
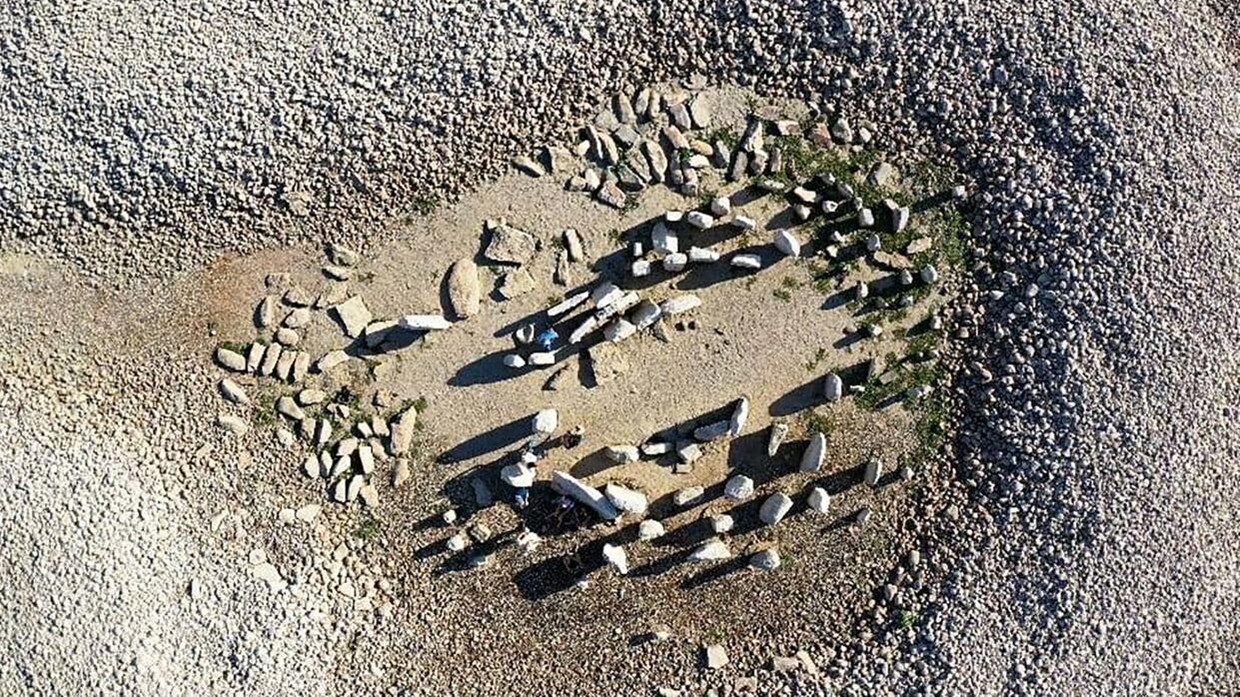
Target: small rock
x=424, y=323
x=233, y=424
x=711, y=550
x=700, y=220
x=611, y=194
x=287, y=337
x=649, y=530
x=528, y=165
x=518, y=475
x=509, y=245
x=515, y=284
x=765, y=560
x=233, y=392
x=747, y=261
x=353, y=316
x=288, y=406
x=688, y=496
x=721, y=523
x=716, y=657
x=230, y=359
x=721, y=206
x=616, y=556
x=330, y=360
x=369, y=495
x=675, y=263
x=514, y=361
x=621, y=454
x=740, y=414
x=930, y=275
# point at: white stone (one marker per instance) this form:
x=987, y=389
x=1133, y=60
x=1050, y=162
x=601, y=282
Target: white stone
x=646, y=314
x=712, y=431
x=775, y=508
x=640, y=268
x=700, y=220
x=930, y=275
x=778, y=433
x=590, y=324
x=514, y=361
x=230, y=359
x=673, y=263
x=766, y=560
x=747, y=261
x=542, y=358
x=546, y=421
x=711, y=550
x=740, y=414
x=721, y=523
x=421, y=323
x=616, y=556
x=619, y=330
x=571, y=487
x=622, y=454
x=833, y=387
x=744, y=222
x=649, y=530
x=699, y=255
x=626, y=499
x=680, y=303
x=663, y=239
x=518, y=475
x=568, y=304
x=605, y=294
x=721, y=206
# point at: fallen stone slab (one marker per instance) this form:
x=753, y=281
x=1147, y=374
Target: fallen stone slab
x=688, y=496
x=747, y=261
x=464, y=290
x=571, y=487
x=568, y=304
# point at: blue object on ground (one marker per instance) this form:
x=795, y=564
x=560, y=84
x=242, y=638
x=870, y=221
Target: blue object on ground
x=547, y=339
x=522, y=497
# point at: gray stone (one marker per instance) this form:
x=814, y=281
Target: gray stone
x=233, y=392
x=787, y=243
x=738, y=488
x=265, y=313
x=775, y=508
x=424, y=323
x=688, y=496
x=626, y=500
x=819, y=500
x=403, y=427
x=811, y=461
x=711, y=550
x=833, y=387
x=622, y=454
x=515, y=284
x=740, y=414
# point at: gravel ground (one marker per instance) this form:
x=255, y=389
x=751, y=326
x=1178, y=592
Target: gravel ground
x=1083, y=536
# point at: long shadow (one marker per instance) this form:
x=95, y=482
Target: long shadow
x=591, y=464
x=802, y=397
x=930, y=201
x=715, y=572
x=555, y=574
x=706, y=275
x=849, y=339
x=488, y=442
x=486, y=370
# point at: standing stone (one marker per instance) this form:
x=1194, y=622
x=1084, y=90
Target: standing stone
x=614, y=555
x=787, y=243
x=738, y=488
x=833, y=387
x=811, y=461
x=546, y=421
x=402, y=430
x=778, y=433
x=622, y=454
x=739, y=416
x=464, y=292
x=873, y=472
x=775, y=508
x=819, y=500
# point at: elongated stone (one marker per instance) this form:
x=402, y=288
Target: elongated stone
x=811, y=461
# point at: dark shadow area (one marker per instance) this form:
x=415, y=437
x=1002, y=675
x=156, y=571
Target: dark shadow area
x=798, y=398
x=591, y=464
x=849, y=339
x=931, y=201
x=715, y=572
x=701, y=276
x=489, y=441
